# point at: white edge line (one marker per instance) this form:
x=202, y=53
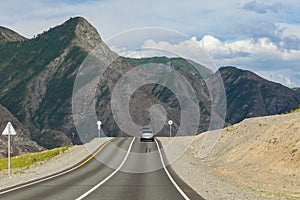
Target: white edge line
x=38, y=181
x=111, y=175
x=169, y=175
x=41, y=180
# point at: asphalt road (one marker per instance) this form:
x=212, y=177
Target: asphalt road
x=125, y=175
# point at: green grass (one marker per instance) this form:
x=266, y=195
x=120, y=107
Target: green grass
x=27, y=160
x=296, y=110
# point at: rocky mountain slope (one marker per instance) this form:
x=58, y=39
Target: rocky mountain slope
x=249, y=95
x=297, y=90
x=175, y=63
x=38, y=74
x=20, y=143
x=7, y=35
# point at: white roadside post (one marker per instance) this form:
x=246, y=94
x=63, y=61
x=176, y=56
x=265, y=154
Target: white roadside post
x=170, y=122
x=99, y=128
x=9, y=130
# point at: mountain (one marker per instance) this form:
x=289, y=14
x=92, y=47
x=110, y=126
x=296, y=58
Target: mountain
x=249, y=95
x=7, y=35
x=297, y=90
x=38, y=75
x=176, y=63
x=20, y=143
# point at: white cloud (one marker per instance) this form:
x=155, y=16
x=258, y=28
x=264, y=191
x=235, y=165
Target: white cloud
x=224, y=52
x=260, y=55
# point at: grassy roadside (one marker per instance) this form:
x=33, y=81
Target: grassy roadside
x=296, y=110
x=26, y=160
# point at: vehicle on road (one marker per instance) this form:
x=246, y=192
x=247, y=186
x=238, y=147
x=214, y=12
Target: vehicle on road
x=146, y=134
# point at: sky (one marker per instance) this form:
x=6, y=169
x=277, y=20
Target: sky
x=261, y=36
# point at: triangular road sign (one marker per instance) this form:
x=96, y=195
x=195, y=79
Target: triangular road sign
x=9, y=130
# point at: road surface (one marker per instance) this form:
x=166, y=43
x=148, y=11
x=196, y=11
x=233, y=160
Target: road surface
x=130, y=175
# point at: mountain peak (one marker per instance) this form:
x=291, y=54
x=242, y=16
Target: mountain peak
x=87, y=36
x=76, y=31
x=235, y=72
x=7, y=35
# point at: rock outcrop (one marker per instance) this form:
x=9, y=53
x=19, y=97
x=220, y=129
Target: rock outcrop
x=7, y=35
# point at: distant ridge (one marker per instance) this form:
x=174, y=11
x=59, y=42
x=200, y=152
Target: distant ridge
x=249, y=95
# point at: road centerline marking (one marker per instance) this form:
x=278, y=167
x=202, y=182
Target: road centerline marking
x=111, y=175
x=96, y=153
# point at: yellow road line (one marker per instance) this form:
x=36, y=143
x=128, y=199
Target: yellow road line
x=61, y=173
x=98, y=151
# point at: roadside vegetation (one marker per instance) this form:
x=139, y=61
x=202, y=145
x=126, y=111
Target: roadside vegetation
x=296, y=110
x=26, y=160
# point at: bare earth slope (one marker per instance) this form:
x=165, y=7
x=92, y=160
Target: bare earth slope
x=261, y=153
x=258, y=158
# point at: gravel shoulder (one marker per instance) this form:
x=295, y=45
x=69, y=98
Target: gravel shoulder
x=59, y=163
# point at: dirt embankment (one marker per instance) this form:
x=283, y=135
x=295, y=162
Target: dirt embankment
x=261, y=156
x=261, y=153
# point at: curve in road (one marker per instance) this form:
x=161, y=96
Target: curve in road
x=130, y=176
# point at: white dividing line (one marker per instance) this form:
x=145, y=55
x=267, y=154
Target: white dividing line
x=169, y=175
x=111, y=175
x=42, y=179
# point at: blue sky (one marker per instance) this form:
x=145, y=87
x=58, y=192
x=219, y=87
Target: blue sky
x=262, y=36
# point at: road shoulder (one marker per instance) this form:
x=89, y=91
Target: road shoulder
x=197, y=174
x=59, y=163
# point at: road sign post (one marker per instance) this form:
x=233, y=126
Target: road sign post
x=8, y=155
x=99, y=128
x=9, y=130
x=170, y=122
